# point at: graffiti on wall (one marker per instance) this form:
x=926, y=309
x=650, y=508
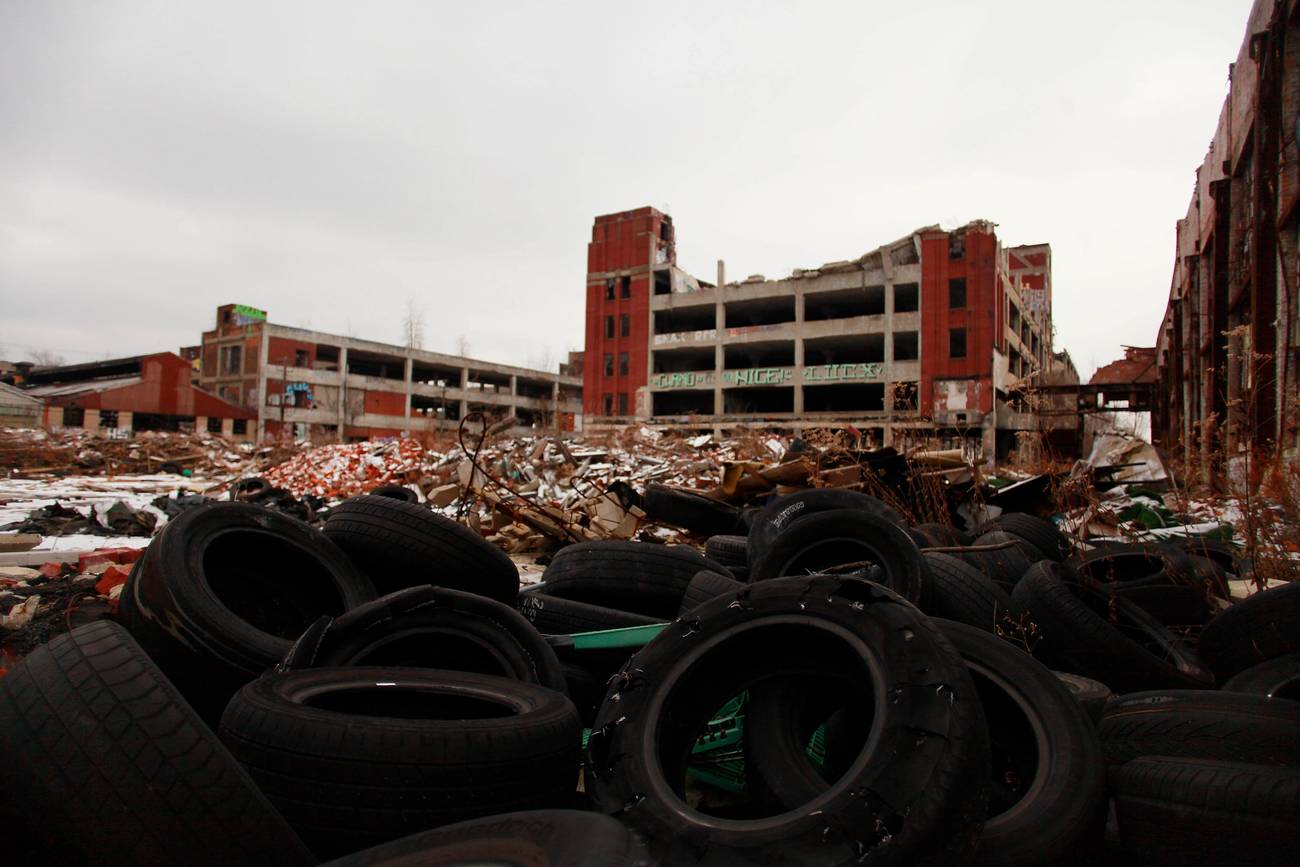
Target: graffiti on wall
x=817, y=373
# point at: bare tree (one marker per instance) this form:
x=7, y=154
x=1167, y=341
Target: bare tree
x=46, y=358
x=413, y=326
x=542, y=360
x=462, y=346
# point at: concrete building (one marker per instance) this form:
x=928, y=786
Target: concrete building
x=1227, y=353
x=19, y=409
x=124, y=396
x=329, y=386
x=923, y=338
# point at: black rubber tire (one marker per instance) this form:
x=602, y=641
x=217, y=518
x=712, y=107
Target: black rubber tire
x=406, y=545
x=1225, y=555
x=1048, y=782
x=1184, y=811
x=818, y=627
x=705, y=586
x=727, y=550
x=958, y=591
x=1135, y=653
x=469, y=745
x=553, y=615
x=1276, y=678
x=1260, y=627
x=825, y=539
x=1045, y=536
x=401, y=493
x=941, y=535
x=250, y=489
x=690, y=510
x=640, y=577
x=104, y=763
x=585, y=689
x=431, y=627
x=1201, y=723
x=1167, y=584
x=782, y=511
x=224, y=590
x=553, y=838
x=1004, y=565
x=1092, y=695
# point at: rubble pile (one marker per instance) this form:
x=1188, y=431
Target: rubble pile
x=73, y=452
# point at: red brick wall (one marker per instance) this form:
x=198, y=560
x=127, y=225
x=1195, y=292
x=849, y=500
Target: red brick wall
x=385, y=403
x=981, y=317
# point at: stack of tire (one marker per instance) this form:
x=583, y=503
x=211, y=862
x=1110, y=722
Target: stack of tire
x=261, y=702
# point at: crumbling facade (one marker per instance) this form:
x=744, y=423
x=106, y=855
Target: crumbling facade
x=1227, y=352
x=327, y=386
x=918, y=339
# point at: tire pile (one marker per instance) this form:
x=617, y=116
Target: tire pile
x=822, y=685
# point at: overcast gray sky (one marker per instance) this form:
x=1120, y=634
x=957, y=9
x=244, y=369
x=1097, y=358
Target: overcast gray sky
x=328, y=161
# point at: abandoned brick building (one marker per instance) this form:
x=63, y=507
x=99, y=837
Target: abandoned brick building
x=922, y=338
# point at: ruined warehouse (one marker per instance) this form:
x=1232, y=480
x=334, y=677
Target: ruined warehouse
x=923, y=338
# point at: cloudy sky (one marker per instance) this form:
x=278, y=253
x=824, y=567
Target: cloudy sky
x=329, y=161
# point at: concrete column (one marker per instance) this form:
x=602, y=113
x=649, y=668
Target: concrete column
x=798, y=367
x=263, y=363
x=514, y=393
x=343, y=392
x=408, y=374
x=200, y=423
x=53, y=417
x=126, y=421
x=464, y=389
x=91, y=423
x=719, y=356
x=227, y=427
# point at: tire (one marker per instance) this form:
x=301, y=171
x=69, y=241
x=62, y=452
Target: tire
x=403, y=545
x=853, y=633
x=1225, y=555
x=958, y=591
x=346, y=780
x=224, y=590
x=1277, y=678
x=584, y=689
x=826, y=539
x=1092, y=695
x=1167, y=584
x=782, y=511
x=250, y=489
x=1196, y=723
x=1077, y=635
x=1005, y=565
x=1181, y=811
x=727, y=550
x=1045, y=536
x=555, y=838
x=431, y=627
x=690, y=510
x=640, y=577
x=1258, y=628
x=552, y=615
x=941, y=535
x=705, y=586
x=105, y=763
x=401, y=493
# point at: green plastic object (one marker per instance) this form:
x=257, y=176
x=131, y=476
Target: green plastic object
x=627, y=636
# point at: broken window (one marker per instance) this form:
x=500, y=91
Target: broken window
x=609, y=364
x=609, y=404
x=622, y=403
x=906, y=346
x=956, y=342
x=108, y=418
x=231, y=359
x=239, y=427
x=957, y=293
x=906, y=298
x=956, y=246
x=626, y=289
x=214, y=424
x=663, y=282
x=903, y=396
x=622, y=364
x=609, y=289
x=609, y=326
x=625, y=325
x=300, y=358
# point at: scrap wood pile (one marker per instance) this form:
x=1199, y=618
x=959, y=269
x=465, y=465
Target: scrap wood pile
x=812, y=674
x=73, y=452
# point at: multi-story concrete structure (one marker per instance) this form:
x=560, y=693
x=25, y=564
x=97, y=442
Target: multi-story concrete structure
x=1228, y=351
x=331, y=386
x=920, y=338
